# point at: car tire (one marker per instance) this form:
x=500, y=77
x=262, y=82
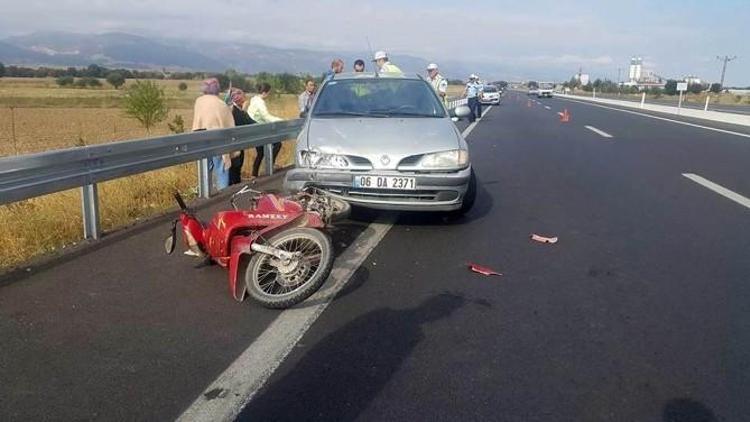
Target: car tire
x=469, y=199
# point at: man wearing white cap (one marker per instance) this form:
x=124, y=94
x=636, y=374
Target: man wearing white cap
x=472, y=93
x=385, y=66
x=438, y=82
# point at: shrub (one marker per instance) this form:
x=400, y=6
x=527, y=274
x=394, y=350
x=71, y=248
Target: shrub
x=177, y=125
x=182, y=86
x=145, y=102
x=65, y=80
x=115, y=79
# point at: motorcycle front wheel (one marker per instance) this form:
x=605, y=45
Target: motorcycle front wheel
x=279, y=285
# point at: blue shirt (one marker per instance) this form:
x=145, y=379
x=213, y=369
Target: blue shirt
x=473, y=89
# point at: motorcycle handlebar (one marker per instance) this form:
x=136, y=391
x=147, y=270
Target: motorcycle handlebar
x=180, y=201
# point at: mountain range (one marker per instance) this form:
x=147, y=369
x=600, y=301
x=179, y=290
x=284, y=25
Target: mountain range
x=116, y=49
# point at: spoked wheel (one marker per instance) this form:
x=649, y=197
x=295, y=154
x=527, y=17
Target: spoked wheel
x=276, y=283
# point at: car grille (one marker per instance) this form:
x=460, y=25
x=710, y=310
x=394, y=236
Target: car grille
x=394, y=194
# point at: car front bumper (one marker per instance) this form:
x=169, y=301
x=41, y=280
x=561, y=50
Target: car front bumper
x=434, y=192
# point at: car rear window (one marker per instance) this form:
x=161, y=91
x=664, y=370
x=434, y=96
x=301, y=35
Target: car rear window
x=378, y=97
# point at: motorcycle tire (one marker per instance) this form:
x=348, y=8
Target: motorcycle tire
x=269, y=292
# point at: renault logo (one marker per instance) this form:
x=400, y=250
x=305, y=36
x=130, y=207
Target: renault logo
x=385, y=160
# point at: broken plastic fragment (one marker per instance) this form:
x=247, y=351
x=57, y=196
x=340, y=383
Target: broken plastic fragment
x=481, y=270
x=543, y=239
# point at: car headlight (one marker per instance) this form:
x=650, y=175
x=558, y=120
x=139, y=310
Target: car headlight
x=317, y=159
x=457, y=158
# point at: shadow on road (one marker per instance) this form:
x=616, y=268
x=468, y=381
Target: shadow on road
x=687, y=410
x=338, y=378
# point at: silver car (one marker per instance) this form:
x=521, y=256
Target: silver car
x=386, y=142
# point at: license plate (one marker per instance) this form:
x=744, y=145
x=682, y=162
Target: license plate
x=385, y=182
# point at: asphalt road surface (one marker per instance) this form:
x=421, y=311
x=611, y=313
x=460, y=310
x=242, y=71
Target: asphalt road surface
x=641, y=311
x=673, y=101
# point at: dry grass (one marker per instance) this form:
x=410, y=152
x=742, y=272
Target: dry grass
x=45, y=224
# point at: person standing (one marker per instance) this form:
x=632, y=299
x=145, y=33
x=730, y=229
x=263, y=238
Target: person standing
x=241, y=118
x=359, y=66
x=472, y=95
x=382, y=62
x=304, y=101
x=259, y=112
x=211, y=112
x=337, y=66
x=438, y=82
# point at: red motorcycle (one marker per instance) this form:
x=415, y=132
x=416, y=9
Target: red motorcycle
x=277, y=243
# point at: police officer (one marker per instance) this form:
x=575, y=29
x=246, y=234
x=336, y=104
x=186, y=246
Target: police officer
x=472, y=93
x=385, y=66
x=438, y=82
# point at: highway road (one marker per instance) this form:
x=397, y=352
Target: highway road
x=674, y=100
x=641, y=311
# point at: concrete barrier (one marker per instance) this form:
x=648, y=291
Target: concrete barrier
x=716, y=116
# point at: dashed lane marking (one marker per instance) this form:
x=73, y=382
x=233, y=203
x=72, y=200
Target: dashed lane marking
x=721, y=190
x=598, y=131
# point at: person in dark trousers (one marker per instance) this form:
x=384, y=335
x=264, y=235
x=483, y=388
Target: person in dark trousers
x=259, y=112
x=241, y=118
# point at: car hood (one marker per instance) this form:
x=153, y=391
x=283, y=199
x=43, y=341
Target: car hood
x=373, y=138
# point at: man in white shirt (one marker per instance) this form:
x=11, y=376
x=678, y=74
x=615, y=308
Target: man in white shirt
x=304, y=102
x=438, y=82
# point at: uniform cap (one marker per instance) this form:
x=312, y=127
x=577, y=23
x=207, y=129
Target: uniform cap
x=432, y=66
x=380, y=55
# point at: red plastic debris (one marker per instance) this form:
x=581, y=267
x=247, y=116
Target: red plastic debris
x=543, y=239
x=481, y=270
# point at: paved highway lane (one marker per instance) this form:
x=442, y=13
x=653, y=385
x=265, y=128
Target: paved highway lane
x=639, y=313
x=674, y=101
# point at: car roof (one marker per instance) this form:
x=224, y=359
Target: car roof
x=373, y=75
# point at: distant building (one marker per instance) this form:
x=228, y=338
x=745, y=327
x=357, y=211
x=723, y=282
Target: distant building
x=642, y=78
x=636, y=69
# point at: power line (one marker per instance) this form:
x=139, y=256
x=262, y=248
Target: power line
x=725, y=59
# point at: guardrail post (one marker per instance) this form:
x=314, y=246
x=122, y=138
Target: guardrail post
x=90, y=211
x=643, y=99
x=705, y=108
x=204, y=179
x=268, y=155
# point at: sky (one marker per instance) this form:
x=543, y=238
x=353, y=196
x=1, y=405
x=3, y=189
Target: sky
x=514, y=40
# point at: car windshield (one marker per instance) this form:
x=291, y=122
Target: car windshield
x=490, y=89
x=378, y=97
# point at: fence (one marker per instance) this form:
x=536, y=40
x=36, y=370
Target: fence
x=28, y=176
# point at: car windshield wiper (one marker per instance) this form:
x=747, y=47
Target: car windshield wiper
x=348, y=113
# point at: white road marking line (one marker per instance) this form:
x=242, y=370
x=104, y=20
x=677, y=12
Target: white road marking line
x=721, y=190
x=547, y=107
x=224, y=399
x=745, y=135
x=598, y=131
x=468, y=130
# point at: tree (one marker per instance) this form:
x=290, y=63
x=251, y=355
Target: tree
x=115, y=79
x=2, y=70
x=670, y=88
x=695, y=88
x=94, y=71
x=145, y=102
x=715, y=88
x=182, y=86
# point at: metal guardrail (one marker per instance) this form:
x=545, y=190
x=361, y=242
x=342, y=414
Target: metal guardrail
x=454, y=102
x=32, y=175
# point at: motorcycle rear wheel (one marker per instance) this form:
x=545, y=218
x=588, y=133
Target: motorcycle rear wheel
x=278, y=288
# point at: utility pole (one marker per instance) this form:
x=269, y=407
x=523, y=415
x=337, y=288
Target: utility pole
x=725, y=59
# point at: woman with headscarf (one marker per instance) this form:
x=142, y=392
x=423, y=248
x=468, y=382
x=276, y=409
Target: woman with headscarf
x=241, y=118
x=259, y=112
x=210, y=112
